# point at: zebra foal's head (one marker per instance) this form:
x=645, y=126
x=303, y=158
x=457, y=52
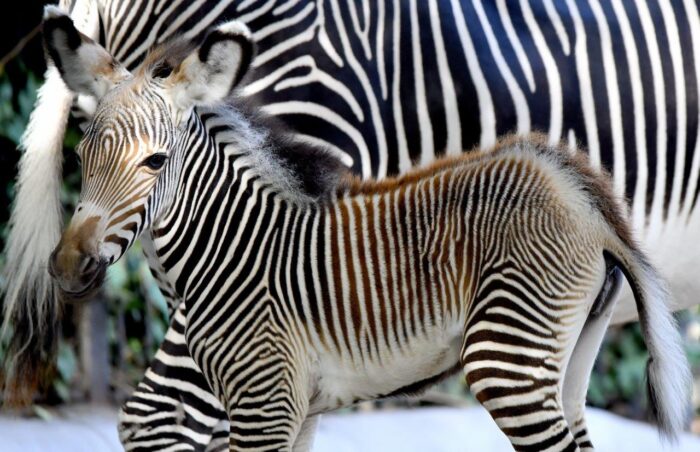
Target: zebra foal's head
x=131, y=149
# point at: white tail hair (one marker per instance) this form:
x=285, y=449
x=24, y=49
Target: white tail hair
x=31, y=307
x=669, y=380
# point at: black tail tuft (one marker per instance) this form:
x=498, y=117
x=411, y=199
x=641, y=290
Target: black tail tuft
x=29, y=360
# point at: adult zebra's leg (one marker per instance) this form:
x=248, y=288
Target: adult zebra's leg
x=514, y=364
x=578, y=371
x=305, y=438
x=173, y=405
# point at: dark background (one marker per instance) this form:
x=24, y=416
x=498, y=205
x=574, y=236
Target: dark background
x=21, y=23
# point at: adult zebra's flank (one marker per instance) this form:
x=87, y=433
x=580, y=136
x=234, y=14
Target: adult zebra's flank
x=303, y=293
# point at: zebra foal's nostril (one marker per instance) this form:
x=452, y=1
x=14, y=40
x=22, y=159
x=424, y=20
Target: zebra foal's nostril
x=88, y=264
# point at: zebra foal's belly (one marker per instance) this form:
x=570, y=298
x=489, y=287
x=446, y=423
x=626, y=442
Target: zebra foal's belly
x=340, y=381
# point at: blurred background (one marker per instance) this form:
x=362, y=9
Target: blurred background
x=107, y=344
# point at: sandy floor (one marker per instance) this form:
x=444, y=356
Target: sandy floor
x=93, y=429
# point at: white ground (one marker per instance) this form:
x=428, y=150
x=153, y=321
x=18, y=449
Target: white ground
x=437, y=430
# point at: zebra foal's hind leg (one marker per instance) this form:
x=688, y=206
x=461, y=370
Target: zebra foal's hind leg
x=305, y=438
x=578, y=372
x=514, y=363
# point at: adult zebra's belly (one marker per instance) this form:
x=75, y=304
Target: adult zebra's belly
x=675, y=251
x=339, y=381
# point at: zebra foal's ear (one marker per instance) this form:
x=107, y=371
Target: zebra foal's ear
x=210, y=72
x=85, y=66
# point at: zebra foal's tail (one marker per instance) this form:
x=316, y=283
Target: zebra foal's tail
x=668, y=372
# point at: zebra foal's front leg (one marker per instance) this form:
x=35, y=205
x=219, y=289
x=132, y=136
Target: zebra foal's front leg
x=276, y=424
x=263, y=378
x=173, y=404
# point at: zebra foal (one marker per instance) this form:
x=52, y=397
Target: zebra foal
x=303, y=291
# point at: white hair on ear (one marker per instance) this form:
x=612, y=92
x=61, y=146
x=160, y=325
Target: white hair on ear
x=199, y=84
x=235, y=27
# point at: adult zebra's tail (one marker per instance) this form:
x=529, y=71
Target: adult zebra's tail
x=31, y=305
x=668, y=371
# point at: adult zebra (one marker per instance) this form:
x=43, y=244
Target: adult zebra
x=340, y=74
x=304, y=292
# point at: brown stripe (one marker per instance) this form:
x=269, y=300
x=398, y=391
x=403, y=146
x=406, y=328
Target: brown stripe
x=355, y=314
x=333, y=313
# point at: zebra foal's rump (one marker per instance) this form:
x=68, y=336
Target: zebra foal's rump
x=299, y=298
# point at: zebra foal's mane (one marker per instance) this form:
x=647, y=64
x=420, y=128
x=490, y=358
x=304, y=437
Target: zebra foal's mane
x=300, y=170
x=297, y=168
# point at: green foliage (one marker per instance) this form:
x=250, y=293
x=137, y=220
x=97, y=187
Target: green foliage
x=13, y=120
x=620, y=369
x=67, y=366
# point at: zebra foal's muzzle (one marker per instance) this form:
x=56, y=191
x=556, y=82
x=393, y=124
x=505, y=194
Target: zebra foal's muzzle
x=76, y=264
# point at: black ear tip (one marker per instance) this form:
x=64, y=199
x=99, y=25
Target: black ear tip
x=252, y=47
x=248, y=51
x=57, y=20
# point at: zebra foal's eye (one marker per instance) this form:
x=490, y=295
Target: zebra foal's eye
x=155, y=161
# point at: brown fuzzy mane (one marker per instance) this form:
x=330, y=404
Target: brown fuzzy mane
x=596, y=183
x=162, y=59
